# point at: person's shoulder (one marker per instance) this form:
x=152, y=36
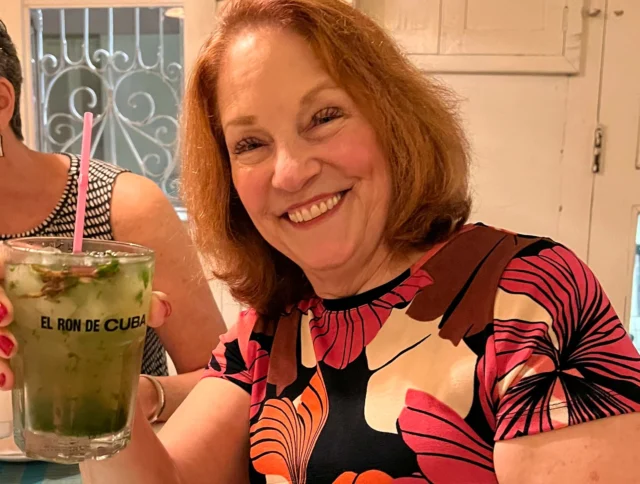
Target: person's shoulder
x=100, y=167
x=137, y=196
x=493, y=241
x=250, y=326
x=482, y=230
x=137, y=186
x=553, y=277
x=99, y=170
x=516, y=262
x=248, y=319
x=530, y=248
x=527, y=252
x=140, y=211
x=475, y=245
x=252, y=322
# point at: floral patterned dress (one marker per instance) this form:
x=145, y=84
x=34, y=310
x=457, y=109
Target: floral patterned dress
x=490, y=336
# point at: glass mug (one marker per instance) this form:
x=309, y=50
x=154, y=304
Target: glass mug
x=80, y=322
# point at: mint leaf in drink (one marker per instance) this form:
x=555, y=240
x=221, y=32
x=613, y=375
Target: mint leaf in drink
x=139, y=297
x=145, y=276
x=109, y=269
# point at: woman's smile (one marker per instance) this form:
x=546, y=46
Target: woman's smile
x=315, y=210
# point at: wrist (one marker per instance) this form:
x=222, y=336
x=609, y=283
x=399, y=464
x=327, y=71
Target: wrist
x=148, y=397
x=152, y=397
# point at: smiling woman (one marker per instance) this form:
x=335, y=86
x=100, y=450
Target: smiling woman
x=285, y=138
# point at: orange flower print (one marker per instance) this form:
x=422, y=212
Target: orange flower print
x=369, y=477
x=283, y=438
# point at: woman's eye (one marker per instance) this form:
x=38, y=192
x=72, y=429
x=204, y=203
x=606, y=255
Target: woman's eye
x=325, y=116
x=247, y=144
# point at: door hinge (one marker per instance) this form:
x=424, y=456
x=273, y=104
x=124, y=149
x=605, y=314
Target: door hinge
x=598, y=140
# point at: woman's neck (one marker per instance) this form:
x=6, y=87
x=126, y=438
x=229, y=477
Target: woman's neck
x=353, y=278
x=31, y=185
x=19, y=162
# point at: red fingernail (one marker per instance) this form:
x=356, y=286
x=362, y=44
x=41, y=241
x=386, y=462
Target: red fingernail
x=167, y=308
x=6, y=345
x=3, y=379
x=3, y=311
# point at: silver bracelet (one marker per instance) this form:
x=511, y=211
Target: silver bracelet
x=161, y=397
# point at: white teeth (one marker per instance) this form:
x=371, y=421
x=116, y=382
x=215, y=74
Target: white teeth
x=315, y=211
x=306, y=214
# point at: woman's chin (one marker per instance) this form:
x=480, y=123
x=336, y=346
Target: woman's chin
x=322, y=260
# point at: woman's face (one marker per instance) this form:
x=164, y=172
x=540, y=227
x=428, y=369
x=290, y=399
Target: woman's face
x=305, y=162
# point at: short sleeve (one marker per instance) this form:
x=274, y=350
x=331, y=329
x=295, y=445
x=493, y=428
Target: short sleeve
x=231, y=360
x=559, y=352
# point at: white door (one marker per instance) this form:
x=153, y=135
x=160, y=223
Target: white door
x=413, y=23
x=496, y=36
x=614, y=238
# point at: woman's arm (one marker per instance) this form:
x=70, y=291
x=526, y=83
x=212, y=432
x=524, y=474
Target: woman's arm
x=601, y=451
x=564, y=378
x=176, y=388
x=206, y=441
x=140, y=213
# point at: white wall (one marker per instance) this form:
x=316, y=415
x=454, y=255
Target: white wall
x=516, y=125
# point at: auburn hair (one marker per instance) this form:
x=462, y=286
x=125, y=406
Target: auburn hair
x=414, y=118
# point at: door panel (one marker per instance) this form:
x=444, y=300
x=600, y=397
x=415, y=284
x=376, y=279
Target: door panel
x=613, y=239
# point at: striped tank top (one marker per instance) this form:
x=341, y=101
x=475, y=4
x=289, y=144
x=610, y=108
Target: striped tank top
x=60, y=223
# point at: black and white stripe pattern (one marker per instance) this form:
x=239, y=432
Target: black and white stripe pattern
x=60, y=223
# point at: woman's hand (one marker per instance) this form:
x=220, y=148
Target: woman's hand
x=7, y=340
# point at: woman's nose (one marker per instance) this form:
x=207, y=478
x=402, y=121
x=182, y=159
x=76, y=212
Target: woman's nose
x=294, y=170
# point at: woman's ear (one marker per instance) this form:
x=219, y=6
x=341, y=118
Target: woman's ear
x=7, y=103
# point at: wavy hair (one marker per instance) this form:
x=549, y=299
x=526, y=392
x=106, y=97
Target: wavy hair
x=414, y=118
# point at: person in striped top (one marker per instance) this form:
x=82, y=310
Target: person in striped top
x=38, y=194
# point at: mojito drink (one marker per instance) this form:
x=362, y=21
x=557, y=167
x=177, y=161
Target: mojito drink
x=80, y=321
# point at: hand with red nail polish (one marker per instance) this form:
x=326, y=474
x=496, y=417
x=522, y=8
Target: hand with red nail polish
x=6, y=346
x=7, y=340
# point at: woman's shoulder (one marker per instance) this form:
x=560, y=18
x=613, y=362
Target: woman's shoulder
x=477, y=249
x=98, y=169
x=250, y=322
x=490, y=247
x=514, y=249
x=140, y=211
x=102, y=176
x=104, y=171
x=251, y=328
x=478, y=264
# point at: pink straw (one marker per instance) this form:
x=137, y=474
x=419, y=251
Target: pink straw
x=83, y=182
